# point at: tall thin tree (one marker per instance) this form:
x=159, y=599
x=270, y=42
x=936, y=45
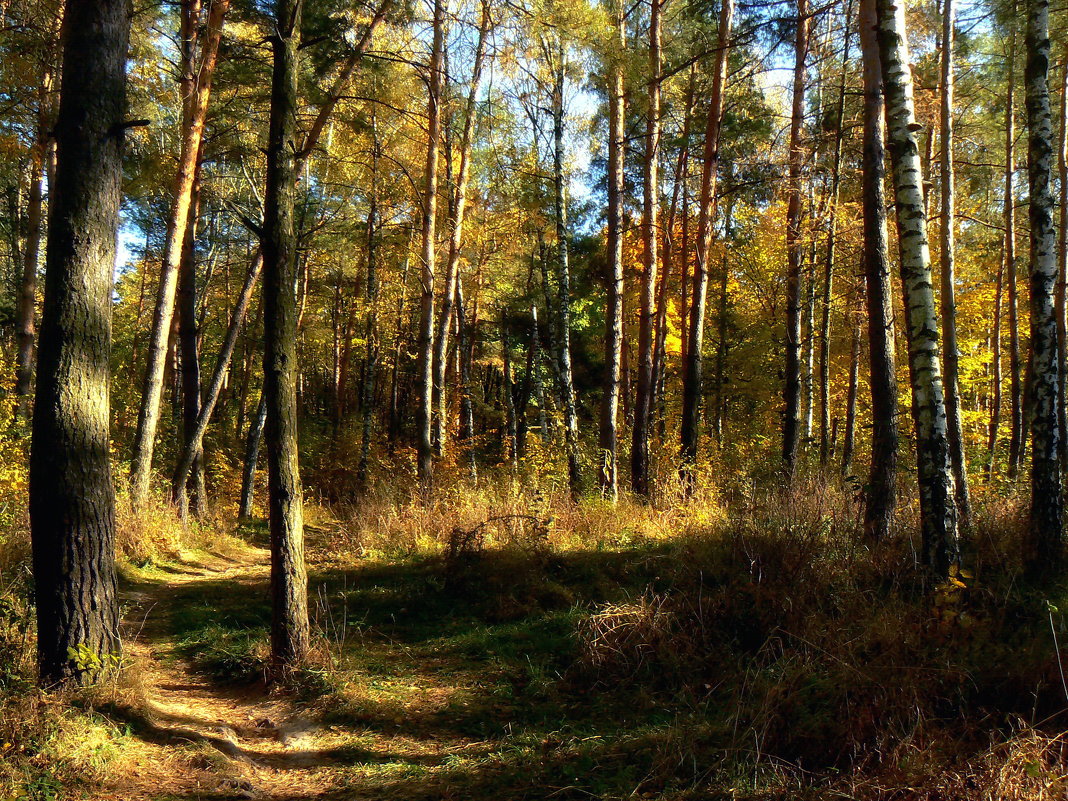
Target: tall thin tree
x=938, y=508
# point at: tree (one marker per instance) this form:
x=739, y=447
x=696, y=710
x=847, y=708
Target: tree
x=695, y=321
x=948, y=295
x=882, y=482
x=290, y=630
x=647, y=349
x=195, y=79
x=792, y=390
x=1046, y=503
x=428, y=251
x=613, y=339
x=72, y=502
x=938, y=509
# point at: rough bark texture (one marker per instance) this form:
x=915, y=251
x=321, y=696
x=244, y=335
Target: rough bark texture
x=1046, y=502
x=938, y=509
x=195, y=85
x=290, y=632
x=613, y=337
x=188, y=347
x=791, y=431
x=72, y=502
x=647, y=328
x=692, y=369
x=948, y=296
x=425, y=411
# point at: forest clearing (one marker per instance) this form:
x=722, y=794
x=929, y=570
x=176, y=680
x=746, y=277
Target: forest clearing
x=541, y=399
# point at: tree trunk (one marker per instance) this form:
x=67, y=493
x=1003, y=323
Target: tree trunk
x=849, y=444
x=367, y=387
x=459, y=214
x=692, y=383
x=567, y=387
x=194, y=439
x=948, y=257
x=613, y=338
x=643, y=402
x=995, y=374
x=828, y=263
x=290, y=631
x=190, y=357
x=72, y=500
x=1015, y=385
x=425, y=415
x=39, y=155
x=938, y=509
x=1046, y=502
x=252, y=456
x=1062, y=275
x=195, y=87
x=794, y=245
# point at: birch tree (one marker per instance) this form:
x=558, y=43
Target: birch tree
x=938, y=508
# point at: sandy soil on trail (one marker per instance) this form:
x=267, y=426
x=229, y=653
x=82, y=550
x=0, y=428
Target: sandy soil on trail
x=203, y=740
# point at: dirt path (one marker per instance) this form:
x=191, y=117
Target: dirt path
x=203, y=740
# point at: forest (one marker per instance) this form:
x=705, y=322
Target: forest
x=533, y=399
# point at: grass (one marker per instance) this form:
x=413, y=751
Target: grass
x=506, y=643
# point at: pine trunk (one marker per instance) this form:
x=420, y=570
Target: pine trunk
x=290, y=631
x=72, y=500
x=692, y=383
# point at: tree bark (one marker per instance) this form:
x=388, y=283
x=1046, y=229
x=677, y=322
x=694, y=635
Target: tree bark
x=948, y=258
x=195, y=86
x=425, y=411
x=937, y=497
x=643, y=402
x=1046, y=502
x=613, y=338
x=794, y=245
x=72, y=500
x=290, y=631
x=692, y=379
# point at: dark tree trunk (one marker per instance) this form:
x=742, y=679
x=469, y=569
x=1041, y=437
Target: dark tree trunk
x=428, y=249
x=647, y=328
x=949, y=290
x=882, y=481
x=1047, y=511
x=188, y=335
x=792, y=389
x=72, y=501
x=613, y=340
x=252, y=457
x=290, y=633
x=692, y=378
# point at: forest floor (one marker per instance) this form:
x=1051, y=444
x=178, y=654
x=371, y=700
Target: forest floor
x=416, y=693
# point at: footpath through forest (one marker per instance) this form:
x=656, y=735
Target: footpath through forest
x=206, y=737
